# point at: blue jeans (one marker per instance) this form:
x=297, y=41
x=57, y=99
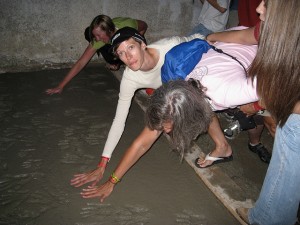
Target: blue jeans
x=279, y=198
x=201, y=29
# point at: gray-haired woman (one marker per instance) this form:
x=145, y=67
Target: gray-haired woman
x=177, y=108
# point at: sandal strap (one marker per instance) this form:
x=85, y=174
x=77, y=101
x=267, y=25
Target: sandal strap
x=212, y=158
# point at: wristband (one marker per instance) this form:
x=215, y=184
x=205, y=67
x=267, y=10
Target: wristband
x=257, y=107
x=113, y=179
x=101, y=163
x=103, y=157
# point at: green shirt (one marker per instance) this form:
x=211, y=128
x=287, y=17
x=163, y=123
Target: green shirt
x=119, y=22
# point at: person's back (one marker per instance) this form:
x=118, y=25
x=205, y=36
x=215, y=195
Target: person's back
x=224, y=82
x=219, y=73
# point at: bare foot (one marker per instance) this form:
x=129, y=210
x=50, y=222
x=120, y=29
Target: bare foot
x=219, y=151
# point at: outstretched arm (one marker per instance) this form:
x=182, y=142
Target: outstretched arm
x=92, y=176
x=84, y=59
x=137, y=149
x=245, y=37
x=127, y=89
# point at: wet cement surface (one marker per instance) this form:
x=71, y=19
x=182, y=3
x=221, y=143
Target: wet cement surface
x=45, y=140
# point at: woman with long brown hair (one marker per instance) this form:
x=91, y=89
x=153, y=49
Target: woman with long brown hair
x=277, y=69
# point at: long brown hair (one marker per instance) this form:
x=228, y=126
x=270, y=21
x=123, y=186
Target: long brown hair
x=277, y=63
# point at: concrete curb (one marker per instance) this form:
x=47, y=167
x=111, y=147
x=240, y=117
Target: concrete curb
x=220, y=184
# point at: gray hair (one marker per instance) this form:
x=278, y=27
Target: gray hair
x=183, y=104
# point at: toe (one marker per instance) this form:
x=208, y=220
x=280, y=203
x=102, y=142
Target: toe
x=204, y=163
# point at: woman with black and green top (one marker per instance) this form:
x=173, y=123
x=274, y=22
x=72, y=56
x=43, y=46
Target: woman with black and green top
x=100, y=31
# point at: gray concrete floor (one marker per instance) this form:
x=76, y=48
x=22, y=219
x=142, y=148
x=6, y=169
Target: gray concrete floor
x=45, y=140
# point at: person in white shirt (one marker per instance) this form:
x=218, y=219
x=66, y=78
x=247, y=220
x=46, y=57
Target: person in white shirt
x=190, y=109
x=143, y=70
x=213, y=17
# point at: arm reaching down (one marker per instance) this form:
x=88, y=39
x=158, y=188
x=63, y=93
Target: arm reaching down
x=92, y=176
x=137, y=149
x=245, y=36
x=84, y=59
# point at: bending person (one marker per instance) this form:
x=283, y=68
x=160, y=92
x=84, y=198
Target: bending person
x=223, y=71
x=250, y=36
x=98, y=34
x=278, y=81
x=178, y=108
x=143, y=70
x=217, y=92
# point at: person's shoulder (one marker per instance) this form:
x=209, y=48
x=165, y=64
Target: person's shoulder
x=167, y=40
x=121, y=19
x=130, y=80
x=126, y=72
x=121, y=22
x=129, y=74
x=164, y=44
x=118, y=18
x=174, y=40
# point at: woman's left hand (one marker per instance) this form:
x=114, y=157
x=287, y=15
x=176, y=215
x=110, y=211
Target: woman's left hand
x=92, y=176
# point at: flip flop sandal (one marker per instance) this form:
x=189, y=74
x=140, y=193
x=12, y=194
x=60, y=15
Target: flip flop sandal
x=215, y=160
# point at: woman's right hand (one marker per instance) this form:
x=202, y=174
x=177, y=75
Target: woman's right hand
x=83, y=178
x=52, y=91
x=102, y=191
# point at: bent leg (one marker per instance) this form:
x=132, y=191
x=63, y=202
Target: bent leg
x=222, y=148
x=255, y=134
